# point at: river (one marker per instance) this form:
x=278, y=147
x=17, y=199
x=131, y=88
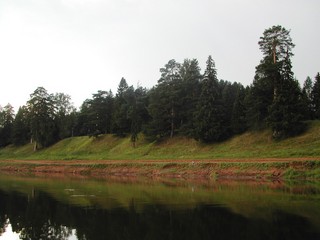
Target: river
x=58, y=207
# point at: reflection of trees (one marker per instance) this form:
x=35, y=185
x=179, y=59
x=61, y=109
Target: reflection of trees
x=49, y=232
x=4, y=224
x=42, y=217
x=36, y=218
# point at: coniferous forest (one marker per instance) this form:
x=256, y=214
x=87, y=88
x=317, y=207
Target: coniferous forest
x=185, y=101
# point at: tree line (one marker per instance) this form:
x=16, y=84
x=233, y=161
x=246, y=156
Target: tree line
x=184, y=102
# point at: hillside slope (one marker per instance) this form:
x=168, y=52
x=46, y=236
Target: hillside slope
x=247, y=145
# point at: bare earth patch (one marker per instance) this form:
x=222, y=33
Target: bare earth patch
x=189, y=169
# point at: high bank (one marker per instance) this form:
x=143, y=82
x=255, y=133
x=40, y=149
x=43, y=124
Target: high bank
x=254, y=152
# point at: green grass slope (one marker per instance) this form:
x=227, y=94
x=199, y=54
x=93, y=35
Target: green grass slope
x=248, y=145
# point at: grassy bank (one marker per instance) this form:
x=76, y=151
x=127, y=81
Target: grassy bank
x=108, y=147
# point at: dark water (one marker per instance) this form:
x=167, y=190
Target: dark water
x=58, y=208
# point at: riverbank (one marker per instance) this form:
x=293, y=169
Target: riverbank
x=264, y=169
x=250, y=145
x=252, y=155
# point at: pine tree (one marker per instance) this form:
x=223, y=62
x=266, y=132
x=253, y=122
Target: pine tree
x=21, y=129
x=63, y=119
x=275, y=69
x=137, y=112
x=316, y=96
x=159, y=124
x=209, y=115
x=121, y=122
x=307, y=99
x=165, y=102
x=238, y=119
x=260, y=94
x=229, y=93
x=189, y=94
x=6, y=125
x=41, y=114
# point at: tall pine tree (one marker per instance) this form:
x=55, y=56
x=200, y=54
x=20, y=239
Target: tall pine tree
x=285, y=110
x=165, y=102
x=41, y=111
x=316, y=96
x=307, y=99
x=6, y=125
x=189, y=94
x=21, y=129
x=121, y=122
x=209, y=115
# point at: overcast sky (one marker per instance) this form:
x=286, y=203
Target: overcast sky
x=81, y=46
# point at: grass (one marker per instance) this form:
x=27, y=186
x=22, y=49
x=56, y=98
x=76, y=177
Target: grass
x=248, y=145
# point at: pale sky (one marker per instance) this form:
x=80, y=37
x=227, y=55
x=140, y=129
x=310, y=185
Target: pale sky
x=81, y=46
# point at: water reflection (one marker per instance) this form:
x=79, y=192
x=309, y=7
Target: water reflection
x=6, y=232
x=67, y=209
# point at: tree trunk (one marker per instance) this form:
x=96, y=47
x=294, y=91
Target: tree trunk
x=35, y=146
x=274, y=54
x=172, y=123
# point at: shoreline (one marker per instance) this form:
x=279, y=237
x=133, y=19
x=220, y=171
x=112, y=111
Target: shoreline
x=242, y=169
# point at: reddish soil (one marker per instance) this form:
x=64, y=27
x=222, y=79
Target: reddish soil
x=94, y=162
x=188, y=169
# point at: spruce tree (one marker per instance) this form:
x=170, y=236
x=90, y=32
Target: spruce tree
x=121, y=122
x=190, y=88
x=307, y=99
x=238, y=118
x=316, y=96
x=209, y=115
x=21, y=129
x=159, y=124
x=6, y=125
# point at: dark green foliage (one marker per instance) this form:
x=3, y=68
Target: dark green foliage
x=21, y=129
x=238, y=117
x=41, y=109
x=6, y=125
x=95, y=116
x=121, y=122
x=232, y=116
x=285, y=112
x=84, y=124
x=259, y=97
x=158, y=125
x=316, y=96
x=165, y=102
x=189, y=94
x=308, y=109
x=64, y=115
x=101, y=111
x=276, y=44
x=274, y=74
x=209, y=116
x=137, y=111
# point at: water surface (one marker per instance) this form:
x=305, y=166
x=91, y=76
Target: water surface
x=66, y=208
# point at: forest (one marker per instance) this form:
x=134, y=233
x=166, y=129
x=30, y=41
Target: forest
x=184, y=102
